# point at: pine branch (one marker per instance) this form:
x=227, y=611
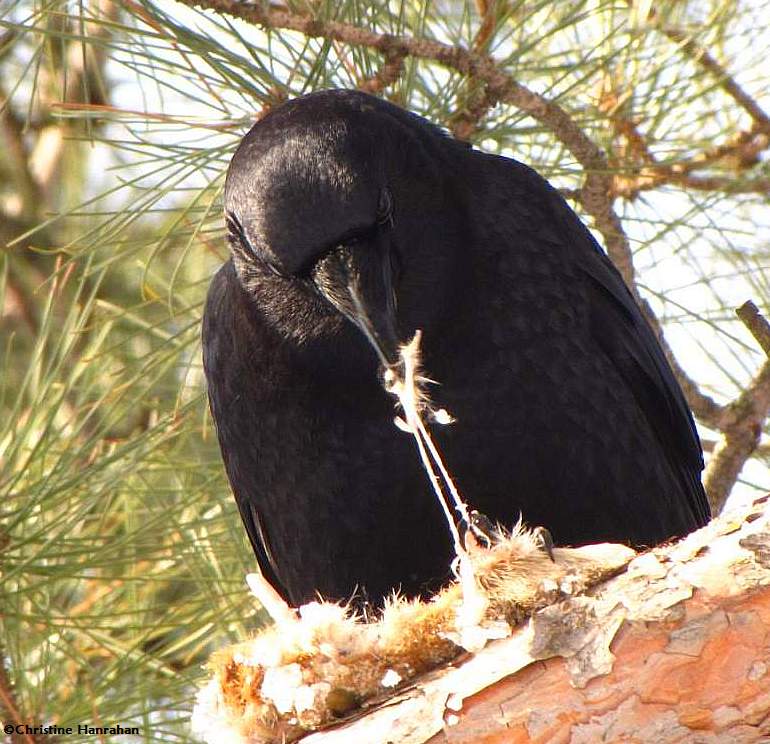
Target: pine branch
x=743, y=149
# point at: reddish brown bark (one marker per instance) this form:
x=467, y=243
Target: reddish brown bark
x=704, y=678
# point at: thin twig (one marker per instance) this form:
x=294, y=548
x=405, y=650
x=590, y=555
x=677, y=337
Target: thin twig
x=742, y=420
x=391, y=70
x=487, y=9
x=743, y=148
x=701, y=56
x=708, y=62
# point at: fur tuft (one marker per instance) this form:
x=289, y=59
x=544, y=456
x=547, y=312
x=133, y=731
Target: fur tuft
x=303, y=674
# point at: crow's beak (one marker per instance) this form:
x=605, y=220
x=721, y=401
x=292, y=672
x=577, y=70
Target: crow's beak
x=357, y=280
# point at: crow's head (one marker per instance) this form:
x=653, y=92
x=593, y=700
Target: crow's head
x=344, y=209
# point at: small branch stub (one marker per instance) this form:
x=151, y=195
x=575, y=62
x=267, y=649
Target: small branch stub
x=742, y=421
x=756, y=324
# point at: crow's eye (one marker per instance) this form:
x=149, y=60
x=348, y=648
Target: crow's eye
x=273, y=268
x=385, y=207
x=235, y=233
x=239, y=240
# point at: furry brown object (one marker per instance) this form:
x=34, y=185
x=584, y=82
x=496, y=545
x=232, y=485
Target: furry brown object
x=300, y=675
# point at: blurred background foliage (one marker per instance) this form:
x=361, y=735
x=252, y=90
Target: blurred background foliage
x=122, y=557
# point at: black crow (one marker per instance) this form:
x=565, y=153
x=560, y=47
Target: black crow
x=352, y=223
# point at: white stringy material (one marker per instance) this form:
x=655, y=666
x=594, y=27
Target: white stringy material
x=410, y=391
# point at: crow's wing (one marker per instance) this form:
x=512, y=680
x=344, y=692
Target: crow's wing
x=224, y=350
x=626, y=338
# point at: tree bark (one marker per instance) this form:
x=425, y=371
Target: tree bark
x=675, y=649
